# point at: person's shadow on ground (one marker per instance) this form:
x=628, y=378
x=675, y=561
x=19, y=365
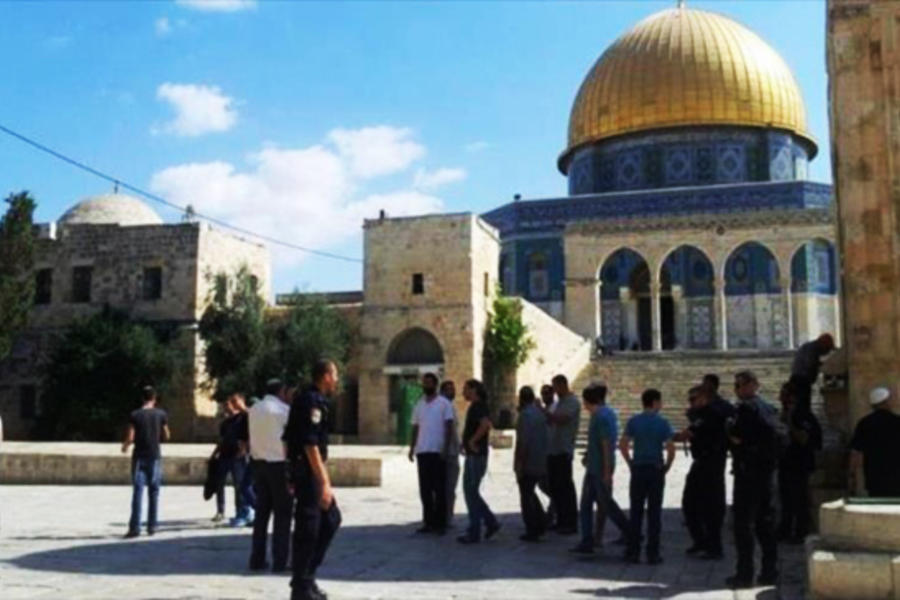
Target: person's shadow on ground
x=394, y=553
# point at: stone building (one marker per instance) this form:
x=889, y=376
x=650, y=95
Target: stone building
x=690, y=223
x=114, y=250
x=690, y=238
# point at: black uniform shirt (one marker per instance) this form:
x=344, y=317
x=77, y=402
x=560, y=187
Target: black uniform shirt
x=802, y=456
x=307, y=425
x=756, y=435
x=708, y=429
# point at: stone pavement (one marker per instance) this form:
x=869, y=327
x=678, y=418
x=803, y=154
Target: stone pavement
x=65, y=543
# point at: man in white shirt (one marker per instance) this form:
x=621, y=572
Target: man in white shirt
x=432, y=434
x=266, y=421
x=448, y=391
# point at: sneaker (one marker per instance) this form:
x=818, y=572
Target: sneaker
x=767, y=578
x=218, y=518
x=467, y=539
x=131, y=535
x=695, y=549
x=582, y=549
x=151, y=532
x=736, y=582
x=238, y=522
x=491, y=530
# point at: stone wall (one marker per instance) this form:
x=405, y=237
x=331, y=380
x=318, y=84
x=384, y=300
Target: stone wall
x=118, y=257
x=674, y=373
x=863, y=68
x=558, y=350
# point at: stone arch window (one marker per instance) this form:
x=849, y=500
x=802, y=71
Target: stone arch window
x=751, y=268
x=757, y=314
x=415, y=346
x=538, y=276
x=687, y=309
x=625, y=301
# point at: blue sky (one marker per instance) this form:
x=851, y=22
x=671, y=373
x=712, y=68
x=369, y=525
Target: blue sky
x=300, y=119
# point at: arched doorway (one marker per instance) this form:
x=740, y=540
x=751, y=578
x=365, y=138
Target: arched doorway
x=687, y=309
x=411, y=354
x=757, y=315
x=625, y=309
x=814, y=290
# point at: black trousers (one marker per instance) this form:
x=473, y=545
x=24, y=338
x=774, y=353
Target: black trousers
x=562, y=490
x=754, y=512
x=532, y=510
x=314, y=528
x=703, y=503
x=433, y=489
x=647, y=485
x=793, y=493
x=272, y=499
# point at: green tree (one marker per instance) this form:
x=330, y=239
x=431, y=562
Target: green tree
x=234, y=333
x=245, y=348
x=506, y=347
x=16, y=262
x=94, y=375
x=312, y=330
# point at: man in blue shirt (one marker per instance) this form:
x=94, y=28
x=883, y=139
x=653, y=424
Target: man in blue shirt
x=598, y=473
x=649, y=432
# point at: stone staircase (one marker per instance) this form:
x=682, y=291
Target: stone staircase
x=673, y=373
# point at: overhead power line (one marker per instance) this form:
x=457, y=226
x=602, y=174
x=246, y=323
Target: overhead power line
x=183, y=209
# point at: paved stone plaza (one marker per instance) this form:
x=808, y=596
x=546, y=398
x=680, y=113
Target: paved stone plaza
x=65, y=542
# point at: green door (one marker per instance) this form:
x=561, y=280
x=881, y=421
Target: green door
x=410, y=392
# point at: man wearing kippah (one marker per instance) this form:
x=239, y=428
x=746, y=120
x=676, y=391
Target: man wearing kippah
x=875, y=448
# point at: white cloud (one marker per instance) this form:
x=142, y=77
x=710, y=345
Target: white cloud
x=199, y=109
x=477, y=146
x=162, y=26
x=218, y=5
x=431, y=180
x=379, y=150
x=313, y=196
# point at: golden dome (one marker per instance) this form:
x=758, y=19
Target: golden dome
x=685, y=67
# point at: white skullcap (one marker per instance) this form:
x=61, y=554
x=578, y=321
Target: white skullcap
x=879, y=395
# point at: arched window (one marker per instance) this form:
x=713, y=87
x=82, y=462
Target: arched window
x=415, y=346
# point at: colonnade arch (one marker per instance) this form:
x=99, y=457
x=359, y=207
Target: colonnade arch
x=814, y=290
x=683, y=298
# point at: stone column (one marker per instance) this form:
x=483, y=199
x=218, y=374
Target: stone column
x=655, y=317
x=682, y=328
x=720, y=318
x=629, y=323
x=788, y=297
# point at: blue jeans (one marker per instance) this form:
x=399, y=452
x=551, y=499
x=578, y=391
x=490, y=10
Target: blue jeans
x=244, y=497
x=647, y=485
x=593, y=490
x=145, y=472
x=473, y=472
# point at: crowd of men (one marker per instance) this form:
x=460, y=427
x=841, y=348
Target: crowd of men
x=771, y=450
x=276, y=453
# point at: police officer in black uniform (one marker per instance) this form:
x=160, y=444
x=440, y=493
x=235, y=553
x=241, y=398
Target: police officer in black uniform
x=753, y=438
x=316, y=515
x=704, y=489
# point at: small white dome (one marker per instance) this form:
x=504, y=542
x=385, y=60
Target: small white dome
x=111, y=209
